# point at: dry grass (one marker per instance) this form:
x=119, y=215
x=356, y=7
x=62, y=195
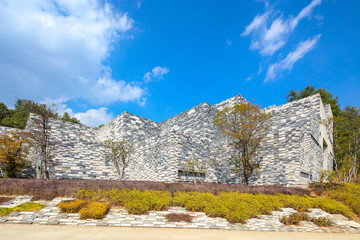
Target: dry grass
x=178, y=217
x=49, y=189
x=5, y=199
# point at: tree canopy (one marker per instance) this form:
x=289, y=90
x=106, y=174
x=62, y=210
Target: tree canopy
x=17, y=117
x=345, y=127
x=326, y=97
x=246, y=126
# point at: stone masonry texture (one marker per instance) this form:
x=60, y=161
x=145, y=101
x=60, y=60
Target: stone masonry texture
x=296, y=149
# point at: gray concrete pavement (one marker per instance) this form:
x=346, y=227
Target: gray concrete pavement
x=46, y=232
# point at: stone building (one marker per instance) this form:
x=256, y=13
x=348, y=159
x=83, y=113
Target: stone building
x=296, y=148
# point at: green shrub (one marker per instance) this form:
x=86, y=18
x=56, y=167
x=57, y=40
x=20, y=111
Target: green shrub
x=322, y=221
x=5, y=211
x=294, y=219
x=28, y=207
x=72, y=206
x=94, y=210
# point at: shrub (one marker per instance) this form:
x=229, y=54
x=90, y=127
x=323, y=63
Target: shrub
x=322, y=221
x=28, y=207
x=5, y=199
x=137, y=207
x=95, y=210
x=294, y=219
x=72, y=206
x=25, y=207
x=49, y=189
x=5, y=211
x=178, y=217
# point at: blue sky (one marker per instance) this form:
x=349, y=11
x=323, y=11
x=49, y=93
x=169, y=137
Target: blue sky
x=155, y=59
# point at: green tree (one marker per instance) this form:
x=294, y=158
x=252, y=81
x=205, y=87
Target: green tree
x=119, y=153
x=347, y=143
x=246, y=126
x=326, y=97
x=66, y=117
x=3, y=111
x=13, y=151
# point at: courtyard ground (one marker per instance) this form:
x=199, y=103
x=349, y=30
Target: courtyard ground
x=42, y=232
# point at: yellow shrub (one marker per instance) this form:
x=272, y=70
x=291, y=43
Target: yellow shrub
x=95, y=210
x=72, y=206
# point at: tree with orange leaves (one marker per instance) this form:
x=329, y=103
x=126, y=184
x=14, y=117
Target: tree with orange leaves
x=13, y=151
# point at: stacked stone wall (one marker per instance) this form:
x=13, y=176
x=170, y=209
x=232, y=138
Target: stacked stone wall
x=291, y=153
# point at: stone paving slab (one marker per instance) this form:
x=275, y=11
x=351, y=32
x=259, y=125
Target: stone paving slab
x=50, y=215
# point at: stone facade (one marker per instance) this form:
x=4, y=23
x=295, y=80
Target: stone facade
x=296, y=148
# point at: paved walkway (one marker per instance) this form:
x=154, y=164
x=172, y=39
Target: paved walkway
x=41, y=232
x=50, y=215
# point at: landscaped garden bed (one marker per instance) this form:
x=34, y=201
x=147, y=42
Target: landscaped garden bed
x=42, y=189
x=235, y=203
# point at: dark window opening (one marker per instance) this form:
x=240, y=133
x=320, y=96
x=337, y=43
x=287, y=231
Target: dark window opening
x=182, y=173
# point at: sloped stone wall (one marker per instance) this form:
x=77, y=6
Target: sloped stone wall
x=291, y=154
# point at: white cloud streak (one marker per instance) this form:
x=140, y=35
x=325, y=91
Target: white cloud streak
x=277, y=69
x=56, y=49
x=156, y=74
x=270, y=32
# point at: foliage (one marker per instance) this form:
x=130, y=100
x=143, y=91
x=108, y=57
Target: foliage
x=345, y=128
x=17, y=117
x=347, y=193
x=72, y=206
x=13, y=151
x=119, y=153
x=135, y=201
x=294, y=218
x=326, y=97
x=322, y=221
x=49, y=189
x=25, y=207
x=178, y=217
x=347, y=143
x=5, y=199
x=66, y=117
x=246, y=126
x=42, y=139
x=233, y=206
x=3, y=111
x=327, y=176
x=94, y=210
x=197, y=169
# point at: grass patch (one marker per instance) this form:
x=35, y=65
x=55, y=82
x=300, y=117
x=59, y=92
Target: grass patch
x=25, y=207
x=294, y=218
x=178, y=217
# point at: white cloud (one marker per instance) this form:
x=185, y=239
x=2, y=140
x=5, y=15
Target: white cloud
x=94, y=117
x=156, y=74
x=287, y=63
x=270, y=32
x=107, y=90
x=228, y=42
x=57, y=48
